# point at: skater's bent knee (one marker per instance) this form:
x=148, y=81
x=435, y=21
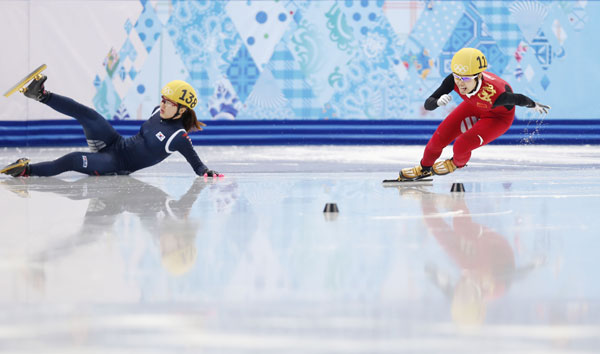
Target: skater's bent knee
x=469, y=142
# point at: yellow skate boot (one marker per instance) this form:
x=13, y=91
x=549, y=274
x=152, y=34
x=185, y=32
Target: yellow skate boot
x=441, y=168
x=36, y=89
x=19, y=168
x=415, y=173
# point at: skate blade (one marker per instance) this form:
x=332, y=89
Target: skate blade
x=25, y=80
x=397, y=182
x=11, y=166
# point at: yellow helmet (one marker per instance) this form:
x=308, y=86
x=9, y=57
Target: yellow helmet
x=468, y=62
x=180, y=261
x=181, y=92
x=468, y=306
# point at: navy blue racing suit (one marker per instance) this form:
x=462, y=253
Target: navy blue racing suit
x=114, y=154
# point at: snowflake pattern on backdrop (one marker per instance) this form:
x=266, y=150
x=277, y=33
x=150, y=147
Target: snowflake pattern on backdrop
x=344, y=59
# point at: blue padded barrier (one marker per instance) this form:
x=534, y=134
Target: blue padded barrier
x=306, y=132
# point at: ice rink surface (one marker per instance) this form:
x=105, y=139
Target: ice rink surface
x=164, y=262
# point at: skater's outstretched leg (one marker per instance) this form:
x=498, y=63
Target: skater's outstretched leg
x=98, y=131
x=88, y=163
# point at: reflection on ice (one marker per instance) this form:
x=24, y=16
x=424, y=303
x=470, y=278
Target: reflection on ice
x=163, y=218
x=483, y=266
x=250, y=264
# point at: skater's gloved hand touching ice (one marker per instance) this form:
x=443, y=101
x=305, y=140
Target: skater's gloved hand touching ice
x=541, y=108
x=212, y=173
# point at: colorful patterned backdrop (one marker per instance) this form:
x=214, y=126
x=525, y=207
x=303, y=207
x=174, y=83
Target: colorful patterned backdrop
x=349, y=59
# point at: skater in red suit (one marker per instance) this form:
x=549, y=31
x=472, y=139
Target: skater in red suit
x=487, y=111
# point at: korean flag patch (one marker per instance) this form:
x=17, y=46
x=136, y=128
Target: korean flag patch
x=160, y=136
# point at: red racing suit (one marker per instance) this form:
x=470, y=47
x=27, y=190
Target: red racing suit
x=484, y=115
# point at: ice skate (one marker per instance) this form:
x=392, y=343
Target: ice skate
x=415, y=173
x=410, y=175
x=441, y=168
x=20, y=86
x=19, y=168
x=36, y=89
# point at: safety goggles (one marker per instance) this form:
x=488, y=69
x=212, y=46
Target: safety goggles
x=464, y=78
x=167, y=101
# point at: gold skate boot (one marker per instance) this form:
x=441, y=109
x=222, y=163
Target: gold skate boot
x=444, y=167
